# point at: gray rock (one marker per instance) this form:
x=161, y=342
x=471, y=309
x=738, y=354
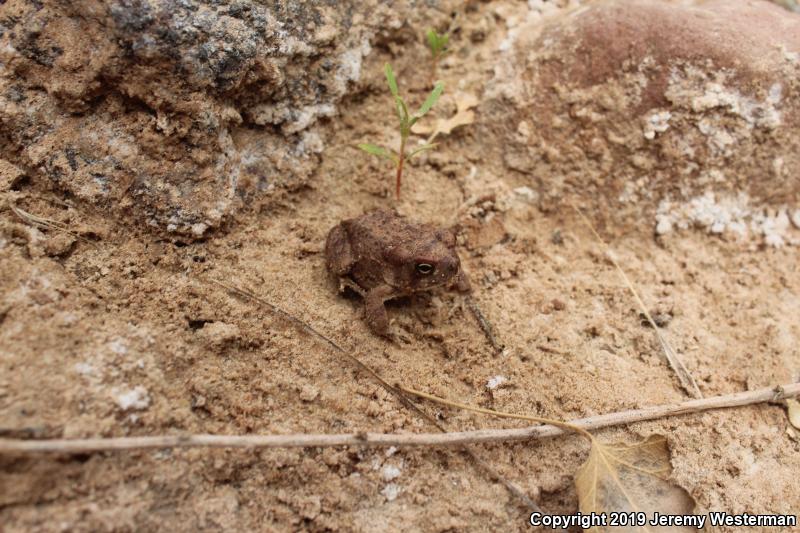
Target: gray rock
x=177, y=110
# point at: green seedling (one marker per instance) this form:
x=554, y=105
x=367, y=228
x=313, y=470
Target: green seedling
x=407, y=121
x=437, y=43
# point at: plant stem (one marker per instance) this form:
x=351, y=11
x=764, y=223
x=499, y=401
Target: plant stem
x=401, y=160
x=404, y=439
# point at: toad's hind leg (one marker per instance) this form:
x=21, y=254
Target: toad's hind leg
x=338, y=254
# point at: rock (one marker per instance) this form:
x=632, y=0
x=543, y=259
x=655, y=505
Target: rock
x=9, y=175
x=216, y=334
x=177, y=110
x=58, y=244
x=308, y=393
x=630, y=102
x=484, y=234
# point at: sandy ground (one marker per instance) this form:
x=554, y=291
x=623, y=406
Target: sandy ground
x=122, y=333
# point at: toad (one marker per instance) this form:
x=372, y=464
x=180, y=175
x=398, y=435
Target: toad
x=382, y=255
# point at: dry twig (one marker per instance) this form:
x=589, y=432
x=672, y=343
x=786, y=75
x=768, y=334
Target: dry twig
x=484, y=324
x=405, y=439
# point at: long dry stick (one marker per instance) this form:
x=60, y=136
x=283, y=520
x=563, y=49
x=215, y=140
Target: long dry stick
x=684, y=377
x=459, y=438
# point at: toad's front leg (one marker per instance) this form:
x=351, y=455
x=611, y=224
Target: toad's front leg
x=462, y=283
x=376, y=315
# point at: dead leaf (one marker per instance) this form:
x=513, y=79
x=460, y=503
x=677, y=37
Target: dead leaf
x=793, y=412
x=463, y=116
x=631, y=478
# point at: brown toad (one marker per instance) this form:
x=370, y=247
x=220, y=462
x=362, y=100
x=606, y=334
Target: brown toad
x=383, y=255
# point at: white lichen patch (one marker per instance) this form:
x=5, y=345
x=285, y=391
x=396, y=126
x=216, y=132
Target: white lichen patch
x=720, y=111
x=390, y=472
x=136, y=398
x=691, y=88
x=390, y=492
x=350, y=62
x=292, y=119
x=118, y=346
x=729, y=215
x=757, y=114
x=84, y=369
x=310, y=143
x=656, y=123
x=495, y=382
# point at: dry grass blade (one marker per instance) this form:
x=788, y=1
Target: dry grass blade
x=500, y=414
x=44, y=223
x=684, y=377
x=631, y=478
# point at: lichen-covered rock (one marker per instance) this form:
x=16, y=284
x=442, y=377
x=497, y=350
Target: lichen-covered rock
x=176, y=109
x=633, y=102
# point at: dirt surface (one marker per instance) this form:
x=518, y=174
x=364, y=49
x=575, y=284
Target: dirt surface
x=122, y=332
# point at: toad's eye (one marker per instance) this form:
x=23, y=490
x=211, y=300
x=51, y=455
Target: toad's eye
x=425, y=268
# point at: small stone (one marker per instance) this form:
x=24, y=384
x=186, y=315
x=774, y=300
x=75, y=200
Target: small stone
x=59, y=244
x=311, y=507
x=661, y=318
x=308, y=393
x=527, y=194
x=663, y=226
x=219, y=333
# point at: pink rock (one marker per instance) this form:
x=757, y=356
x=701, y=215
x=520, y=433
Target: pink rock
x=631, y=102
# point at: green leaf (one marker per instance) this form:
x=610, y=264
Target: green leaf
x=402, y=108
x=430, y=100
x=433, y=40
x=436, y=42
x=379, y=151
x=419, y=149
x=444, y=41
x=398, y=107
x=405, y=121
x=390, y=79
